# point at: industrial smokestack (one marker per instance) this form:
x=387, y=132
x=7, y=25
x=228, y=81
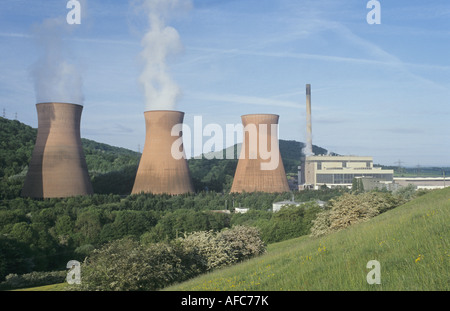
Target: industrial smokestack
x=57, y=168
x=309, y=148
x=254, y=172
x=160, y=171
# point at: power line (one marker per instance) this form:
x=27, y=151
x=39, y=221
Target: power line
x=399, y=168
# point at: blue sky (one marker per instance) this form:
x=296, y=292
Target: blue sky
x=379, y=90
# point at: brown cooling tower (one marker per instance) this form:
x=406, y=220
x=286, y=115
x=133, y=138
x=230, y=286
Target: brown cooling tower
x=254, y=172
x=57, y=168
x=160, y=171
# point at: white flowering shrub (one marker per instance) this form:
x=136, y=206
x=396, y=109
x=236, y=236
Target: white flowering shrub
x=350, y=209
x=127, y=265
x=244, y=242
x=226, y=247
x=215, y=253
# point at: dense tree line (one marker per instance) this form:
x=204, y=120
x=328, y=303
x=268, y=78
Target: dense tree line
x=42, y=235
x=113, y=169
x=16, y=145
x=106, y=164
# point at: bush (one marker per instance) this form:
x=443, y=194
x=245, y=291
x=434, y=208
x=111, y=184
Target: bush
x=350, y=209
x=290, y=222
x=214, y=253
x=128, y=265
x=33, y=279
x=243, y=242
x=408, y=192
x=226, y=247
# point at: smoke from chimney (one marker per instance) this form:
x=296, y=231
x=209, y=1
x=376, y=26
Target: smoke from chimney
x=54, y=78
x=161, y=41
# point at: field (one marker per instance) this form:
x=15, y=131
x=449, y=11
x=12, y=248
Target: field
x=411, y=243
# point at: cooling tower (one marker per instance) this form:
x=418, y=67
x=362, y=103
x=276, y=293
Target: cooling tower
x=159, y=170
x=260, y=167
x=57, y=168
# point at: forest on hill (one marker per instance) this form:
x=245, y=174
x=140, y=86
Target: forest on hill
x=42, y=235
x=113, y=169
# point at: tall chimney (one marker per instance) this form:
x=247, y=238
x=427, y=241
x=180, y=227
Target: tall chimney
x=159, y=171
x=250, y=175
x=58, y=167
x=309, y=147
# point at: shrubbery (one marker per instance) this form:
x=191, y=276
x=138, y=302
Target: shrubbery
x=226, y=247
x=43, y=235
x=290, y=222
x=129, y=265
x=350, y=209
x=33, y=279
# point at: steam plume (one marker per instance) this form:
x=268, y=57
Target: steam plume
x=160, y=42
x=55, y=79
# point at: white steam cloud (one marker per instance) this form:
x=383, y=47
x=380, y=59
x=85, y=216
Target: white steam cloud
x=161, y=41
x=55, y=79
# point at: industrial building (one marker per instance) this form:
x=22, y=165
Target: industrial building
x=159, y=172
x=57, y=167
x=330, y=170
x=333, y=171
x=423, y=182
x=249, y=175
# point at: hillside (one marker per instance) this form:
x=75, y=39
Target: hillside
x=411, y=243
x=113, y=169
x=107, y=164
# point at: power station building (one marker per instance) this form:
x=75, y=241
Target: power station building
x=333, y=171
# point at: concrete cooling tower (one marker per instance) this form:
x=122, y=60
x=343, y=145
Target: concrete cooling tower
x=160, y=171
x=260, y=167
x=58, y=167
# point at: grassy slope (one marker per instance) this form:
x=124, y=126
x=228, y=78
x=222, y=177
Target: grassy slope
x=46, y=288
x=411, y=243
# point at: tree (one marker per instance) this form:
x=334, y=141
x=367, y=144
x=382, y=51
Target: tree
x=88, y=226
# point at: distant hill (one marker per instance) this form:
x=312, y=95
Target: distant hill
x=113, y=169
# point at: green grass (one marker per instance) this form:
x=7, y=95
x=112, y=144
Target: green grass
x=46, y=288
x=411, y=243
